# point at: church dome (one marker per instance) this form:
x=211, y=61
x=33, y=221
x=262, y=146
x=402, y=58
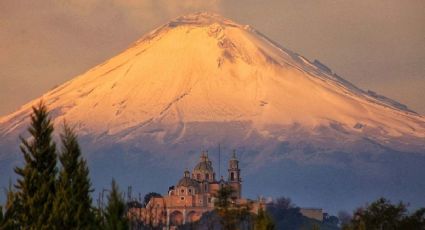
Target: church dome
x=204, y=167
x=204, y=164
x=188, y=182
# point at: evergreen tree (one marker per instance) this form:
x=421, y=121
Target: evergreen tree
x=1, y=215
x=12, y=210
x=115, y=213
x=72, y=207
x=36, y=185
x=263, y=221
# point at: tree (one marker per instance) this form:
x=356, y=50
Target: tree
x=232, y=215
x=285, y=214
x=36, y=185
x=12, y=210
x=263, y=221
x=1, y=215
x=72, y=207
x=382, y=214
x=223, y=196
x=415, y=221
x=115, y=213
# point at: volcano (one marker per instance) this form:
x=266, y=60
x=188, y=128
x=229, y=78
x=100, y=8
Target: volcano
x=203, y=81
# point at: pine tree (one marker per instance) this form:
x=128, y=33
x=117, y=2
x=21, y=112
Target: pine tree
x=36, y=185
x=1, y=215
x=12, y=210
x=115, y=213
x=72, y=207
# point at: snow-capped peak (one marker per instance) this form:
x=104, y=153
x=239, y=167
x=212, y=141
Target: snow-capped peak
x=203, y=68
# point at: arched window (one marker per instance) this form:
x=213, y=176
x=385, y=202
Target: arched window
x=232, y=176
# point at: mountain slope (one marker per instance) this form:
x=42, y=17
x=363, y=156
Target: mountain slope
x=201, y=80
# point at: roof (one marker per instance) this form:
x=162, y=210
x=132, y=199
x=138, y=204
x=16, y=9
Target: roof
x=188, y=182
x=204, y=164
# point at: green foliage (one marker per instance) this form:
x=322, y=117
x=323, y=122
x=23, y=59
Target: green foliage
x=12, y=210
x=285, y=214
x=72, y=207
x=382, y=214
x=263, y=221
x=1, y=215
x=233, y=216
x=223, y=195
x=36, y=185
x=115, y=213
x=41, y=200
x=416, y=220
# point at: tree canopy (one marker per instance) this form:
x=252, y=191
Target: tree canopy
x=36, y=186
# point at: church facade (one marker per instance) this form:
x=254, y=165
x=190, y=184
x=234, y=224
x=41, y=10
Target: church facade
x=193, y=195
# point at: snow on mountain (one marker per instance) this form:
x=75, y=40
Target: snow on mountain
x=201, y=80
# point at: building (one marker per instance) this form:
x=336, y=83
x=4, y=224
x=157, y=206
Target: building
x=312, y=213
x=193, y=195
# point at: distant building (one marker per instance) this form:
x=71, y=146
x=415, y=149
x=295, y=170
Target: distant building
x=193, y=195
x=312, y=213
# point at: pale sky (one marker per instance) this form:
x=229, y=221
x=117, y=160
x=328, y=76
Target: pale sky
x=375, y=44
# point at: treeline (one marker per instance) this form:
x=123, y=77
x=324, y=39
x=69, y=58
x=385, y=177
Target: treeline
x=382, y=214
x=53, y=187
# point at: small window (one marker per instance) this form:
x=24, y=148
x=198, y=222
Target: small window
x=190, y=191
x=207, y=176
x=182, y=191
x=182, y=198
x=232, y=176
x=198, y=176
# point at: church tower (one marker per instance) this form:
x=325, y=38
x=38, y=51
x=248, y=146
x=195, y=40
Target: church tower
x=234, y=178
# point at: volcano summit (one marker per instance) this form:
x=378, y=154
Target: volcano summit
x=202, y=80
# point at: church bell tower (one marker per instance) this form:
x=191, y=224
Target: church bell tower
x=234, y=178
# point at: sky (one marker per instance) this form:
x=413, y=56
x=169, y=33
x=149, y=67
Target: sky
x=377, y=45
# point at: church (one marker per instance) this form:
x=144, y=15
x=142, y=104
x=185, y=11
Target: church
x=193, y=195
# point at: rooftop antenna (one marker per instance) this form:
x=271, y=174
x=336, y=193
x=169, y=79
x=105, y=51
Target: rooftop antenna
x=129, y=198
